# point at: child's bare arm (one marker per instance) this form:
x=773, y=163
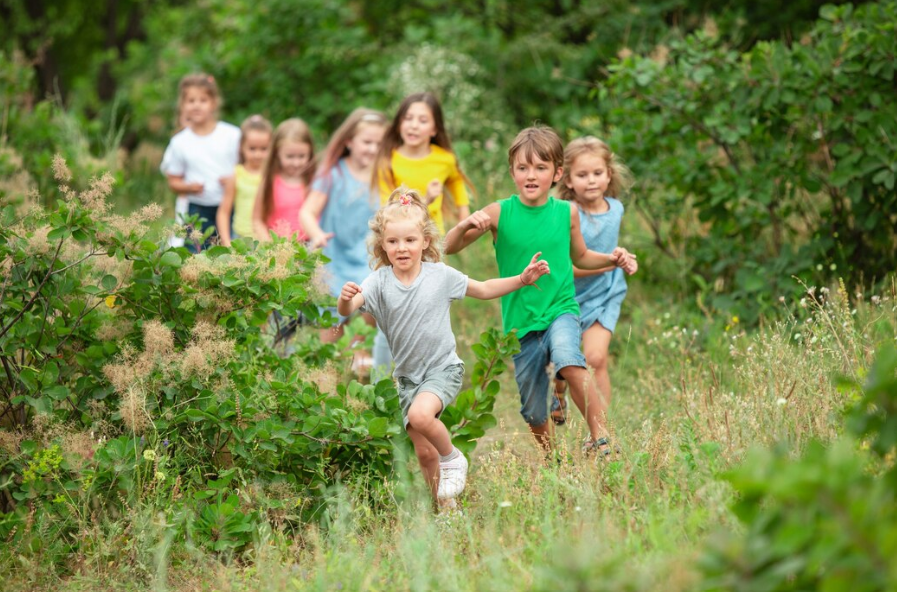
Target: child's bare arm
x=222, y=217
x=500, y=286
x=177, y=184
x=350, y=299
x=471, y=228
x=583, y=273
x=309, y=217
x=586, y=260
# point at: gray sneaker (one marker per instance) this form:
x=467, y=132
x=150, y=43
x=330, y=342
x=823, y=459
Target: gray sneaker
x=452, y=477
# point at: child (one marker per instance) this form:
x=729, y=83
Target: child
x=417, y=152
x=546, y=320
x=285, y=179
x=241, y=189
x=409, y=294
x=200, y=158
x=592, y=173
x=341, y=203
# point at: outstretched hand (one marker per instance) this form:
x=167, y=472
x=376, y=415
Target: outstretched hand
x=350, y=289
x=536, y=269
x=624, y=260
x=320, y=241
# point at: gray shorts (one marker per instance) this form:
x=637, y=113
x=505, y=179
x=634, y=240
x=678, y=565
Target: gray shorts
x=444, y=383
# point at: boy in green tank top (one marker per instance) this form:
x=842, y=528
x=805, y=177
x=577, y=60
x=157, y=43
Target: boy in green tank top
x=546, y=315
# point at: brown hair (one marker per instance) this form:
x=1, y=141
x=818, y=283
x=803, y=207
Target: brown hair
x=538, y=140
x=392, y=139
x=253, y=123
x=407, y=204
x=620, y=176
x=198, y=80
x=291, y=130
x=336, y=148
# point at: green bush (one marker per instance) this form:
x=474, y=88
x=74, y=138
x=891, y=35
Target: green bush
x=759, y=166
x=138, y=375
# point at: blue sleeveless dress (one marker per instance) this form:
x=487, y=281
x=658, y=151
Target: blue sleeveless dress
x=600, y=296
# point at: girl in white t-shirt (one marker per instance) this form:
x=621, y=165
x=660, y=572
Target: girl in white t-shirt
x=201, y=158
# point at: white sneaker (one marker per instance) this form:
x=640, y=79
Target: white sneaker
x=452, y=477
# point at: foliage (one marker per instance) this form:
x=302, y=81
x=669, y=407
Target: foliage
x=791, y=146
x=826, y=521
x=135, y=374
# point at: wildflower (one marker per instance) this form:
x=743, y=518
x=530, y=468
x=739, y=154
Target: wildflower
x=149, y=454
x=505, y=504
x=165, y=442
x=159, y=476
x=577, y=509
x=781, y=401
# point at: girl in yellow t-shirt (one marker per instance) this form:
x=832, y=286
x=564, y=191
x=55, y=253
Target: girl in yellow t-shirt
x=417, y=152
x=241, y=189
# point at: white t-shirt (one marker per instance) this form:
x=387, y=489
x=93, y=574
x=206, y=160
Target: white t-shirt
x=204, y=159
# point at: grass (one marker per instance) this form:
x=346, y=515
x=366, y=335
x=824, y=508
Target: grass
x=692, y=394
x=690, y=400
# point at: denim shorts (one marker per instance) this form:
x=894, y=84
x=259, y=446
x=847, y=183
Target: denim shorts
x=444, y=383
x=559, y=344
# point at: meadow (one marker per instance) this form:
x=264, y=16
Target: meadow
x=154, y=436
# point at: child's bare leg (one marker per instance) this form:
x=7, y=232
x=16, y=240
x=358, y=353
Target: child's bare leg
x=595, y=345
x=428, y=457
x=559, y=404
x=544, y=435
x=422, y=417
x=588, y=399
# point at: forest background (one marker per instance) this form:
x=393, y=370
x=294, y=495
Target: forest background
x=151, y=435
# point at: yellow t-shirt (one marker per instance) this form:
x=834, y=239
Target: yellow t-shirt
x=416, y=173
x=247, y=185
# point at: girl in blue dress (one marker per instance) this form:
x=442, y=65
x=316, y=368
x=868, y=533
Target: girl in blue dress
x=336, y=214
x=592, y=175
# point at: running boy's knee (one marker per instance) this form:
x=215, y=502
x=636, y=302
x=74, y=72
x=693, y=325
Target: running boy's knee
x=596, y=360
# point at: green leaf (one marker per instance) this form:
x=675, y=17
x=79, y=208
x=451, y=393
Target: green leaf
x=109, y=282
x=170, y=259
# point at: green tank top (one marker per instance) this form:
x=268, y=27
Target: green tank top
x=522, y=232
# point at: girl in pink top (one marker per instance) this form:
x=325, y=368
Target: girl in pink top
x=286, y=177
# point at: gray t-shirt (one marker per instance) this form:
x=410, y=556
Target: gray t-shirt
x=415, y=318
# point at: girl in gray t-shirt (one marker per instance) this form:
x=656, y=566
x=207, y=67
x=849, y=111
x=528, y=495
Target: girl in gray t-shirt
x=409, y=294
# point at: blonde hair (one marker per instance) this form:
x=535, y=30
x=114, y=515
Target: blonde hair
x=538, y=140
x=291, y=130
x=336, y=148
x=621, y=179
x=403, y=204
x=253, y=123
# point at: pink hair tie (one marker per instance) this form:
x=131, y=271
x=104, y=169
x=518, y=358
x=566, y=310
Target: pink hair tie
x=405, y=199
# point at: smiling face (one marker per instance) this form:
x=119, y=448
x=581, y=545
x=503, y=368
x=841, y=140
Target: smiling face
x=293, y=157
x=255, y=149
x=365, y=143
x=418, y=126
x=534, y=178
x=198, y=106
x=589, y=179
x=404, y=244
